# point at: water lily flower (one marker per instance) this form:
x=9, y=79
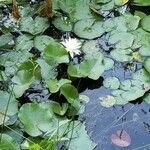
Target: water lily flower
x=72, y=46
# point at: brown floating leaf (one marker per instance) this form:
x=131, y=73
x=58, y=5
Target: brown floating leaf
x=121, y=138
x=15, y=10
x=46, y=9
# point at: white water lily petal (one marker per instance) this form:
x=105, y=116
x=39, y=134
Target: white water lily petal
x=72, y=46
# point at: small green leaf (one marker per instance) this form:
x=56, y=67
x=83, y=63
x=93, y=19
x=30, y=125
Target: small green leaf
x=58, y=109
x=112, y=83
x=107, y=101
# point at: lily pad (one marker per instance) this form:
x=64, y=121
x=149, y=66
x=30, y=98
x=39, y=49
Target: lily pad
x=54, y=85
x=121, y=138
x=92, y=67
x=41, y=42
x=8, y=143
x=107, y=101
x=24, y=42
x=112, y=83
x=88, y=28
x=36, y=26
x=147, y=64
x=55, y=54
x=79, y=136
x=122, y=55
x=35, y=118
x=7, y=99
x=121, y=40
x=145, y=23
x=62, y=23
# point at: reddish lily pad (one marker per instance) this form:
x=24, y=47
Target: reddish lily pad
x=121, y=138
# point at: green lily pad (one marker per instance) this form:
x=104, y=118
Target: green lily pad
x=70, y=93
x=88, y=28
x=5, y=39
x=6, y=98
x=47, y=71
x=35, y=118
x=141, y=2
x=54, y=85
x=59, y=109
x=36, y=26
x=90, y=47
x=121, y=40
x=145, y=23
x=62, y=23
x=122, y=55
x=24, y=42
x=147, y=98
x=79, y=137
x=107, y=101
x=92, y=66
x=55, y=53
x=41, y=42
x=112, y=83
x=147, y=64
x=8, y=143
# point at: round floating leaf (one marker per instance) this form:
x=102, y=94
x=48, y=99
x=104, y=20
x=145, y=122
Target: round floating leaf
x=55, y=53
x=121, y=40
x=107, y=101
x=112, y=83
x=88, y=28
x=141, y=2
x=7, y=99
x=8, y=143
x=36, y=26
x=121, y=138
x=62, y=23
x=122, y=54
x=5, y=39
x=59, y=109
x=79, y=137
x=92, y=67
x=41, y=42
x=90, y=47
x=147, y=98
x=24, y=42
x=47, y=71
x=145, y=23
x=70, y=93
x=108, y=63
x=147, y=64
x=36, y=118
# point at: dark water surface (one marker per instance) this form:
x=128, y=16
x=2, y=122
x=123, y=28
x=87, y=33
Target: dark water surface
x=102, y=122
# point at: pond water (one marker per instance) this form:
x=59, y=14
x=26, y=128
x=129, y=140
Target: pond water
x=43, y=65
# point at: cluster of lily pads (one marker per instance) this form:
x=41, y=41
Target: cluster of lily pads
x=33, y=57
